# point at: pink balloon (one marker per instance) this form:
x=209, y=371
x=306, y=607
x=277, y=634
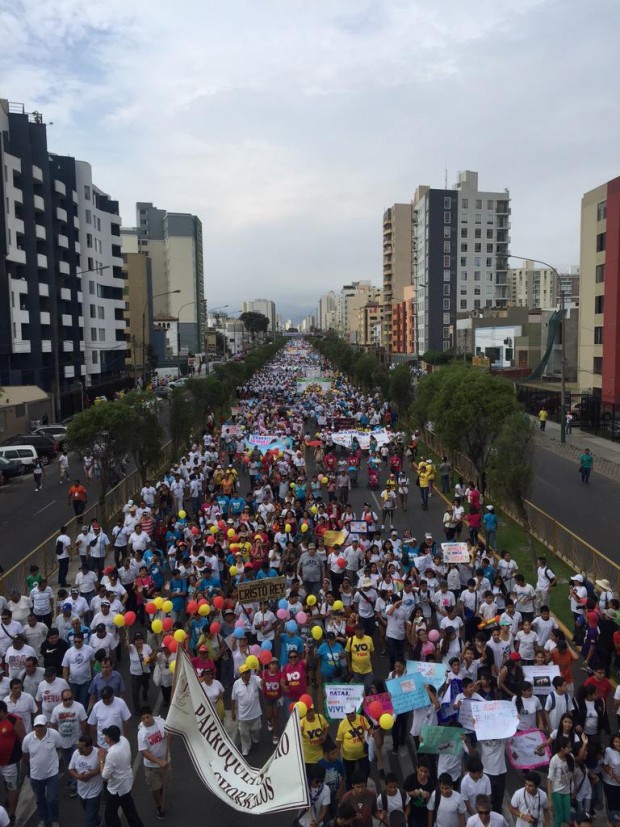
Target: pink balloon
x=283, y=614
x=433, y=635
x=239, y=623
x=255, y=650
x=301, y=618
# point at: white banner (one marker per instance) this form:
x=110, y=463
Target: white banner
x=279, y=785
x=495, y=719
x=541, y=677
x=339, y=695
x=455, y=553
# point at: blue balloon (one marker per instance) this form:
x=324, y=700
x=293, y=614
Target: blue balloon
x=291, y=626
x=239, y=632
x=283, y=604
x=267, y=645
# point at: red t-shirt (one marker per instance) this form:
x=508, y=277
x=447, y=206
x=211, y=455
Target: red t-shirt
x=200, y=665
x=604, y=687
x=294, y=675
x=271, y=684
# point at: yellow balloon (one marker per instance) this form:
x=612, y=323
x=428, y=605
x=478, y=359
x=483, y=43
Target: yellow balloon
x=182, y=514
x=324, y=480
x=314, y=510
x=302, y=709
x=166, y=606
x=180, y=635
x=311, y=600
x=252, y=662
x=233, y=570
x=231, y=532
x=338, y=605
x=214, y=529
x=157, y=626
x=304, y=528
x=159, y=602
x=172, y=665
x=204, y=610
x=386, y=721
x=317, y=632
x=292, y=485
x=119, y=620
x=287, y=528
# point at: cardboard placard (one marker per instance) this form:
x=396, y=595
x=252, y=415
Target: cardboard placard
x=269, y=588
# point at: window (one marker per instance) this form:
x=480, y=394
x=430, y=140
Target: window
x=463, y=261
x=600, y=273
x=597, y=365
x=91, y=288
x=601, y=211
x=476, y=275
x=477, y=233
x=478, y=203
x=102, y=334
x=446, y=331
x=489, y=262
x=477, y=247
x=93, y=334
x=86, y=192
x=447, y=203
x=490, y=277
x=465, y=203
x=490, y=204
x=446, y=289
x=447, y=274
x=463, y=275
x=89, y=217
x=489, y=233
x=89, y=240
x=446, y=304
x=93, y=311
x=477, y=261
x=446, y=232
x=476, y=304
x=463, y=304
x=463, y=232
x=94, y=357
x=446, y=261
x=447, y=218
x=598, y=335
x=463, y=247
x=476, y=291
x=478, y=218
x=600, y=242
x=599, y=304
x=446, y=246
x=101, y=312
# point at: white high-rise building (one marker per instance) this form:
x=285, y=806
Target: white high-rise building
x=264, y=306
x=328, y=312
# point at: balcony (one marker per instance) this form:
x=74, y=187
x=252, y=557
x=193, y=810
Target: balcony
x=37, y=173
x=22, y=346
x=41, y=261
x=40, y=232
x=44, y=289
x=18, y=226
x=59, y=187
x=76, y=222
x=63, y=267
x=16, y=255
x=39, y=204
x=18, y=195
x=19, y=285
x=67, y=346
x=65, y=294
x=66, y=320
x=63, y=241
x=61, y=215
x=45, y=317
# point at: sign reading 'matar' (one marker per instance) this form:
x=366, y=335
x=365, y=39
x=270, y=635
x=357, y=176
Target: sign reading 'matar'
x=268, y=588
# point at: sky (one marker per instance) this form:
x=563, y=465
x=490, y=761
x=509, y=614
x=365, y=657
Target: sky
x=288, y=126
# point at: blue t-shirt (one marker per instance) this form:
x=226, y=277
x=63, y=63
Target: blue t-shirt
x=329, y=655
x=178, y=603
x=290, y=643
x=490, y=521
x=237, y=504
x=334, y=773
x=224, y=502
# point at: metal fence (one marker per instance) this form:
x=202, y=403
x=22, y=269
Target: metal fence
x=564, y=543
x=44, y=555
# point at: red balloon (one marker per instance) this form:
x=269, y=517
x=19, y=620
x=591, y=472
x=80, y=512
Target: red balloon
x=221, y=525
x=375, y=710
x=265, y=657
x=168, y=639
x=307, y=700
x=167, y=623
x=291, y=706
x=342, y=562
x=173, y=645
x=130, y=618
x=202, y=602
x=215, y=628
x=150, y=608
x=210, y=540
x=192, y=606
x=218, y=602
x=195, y=530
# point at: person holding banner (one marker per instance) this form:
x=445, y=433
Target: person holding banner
x=352, y=734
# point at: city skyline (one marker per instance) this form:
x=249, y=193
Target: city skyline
x=294, y=132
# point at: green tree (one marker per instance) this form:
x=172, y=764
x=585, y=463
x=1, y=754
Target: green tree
x=254, y=323
x=467, y=408
x=364, y=369
x=401, y=388
x=181, y=419
x=511, y=469
x=147, y=435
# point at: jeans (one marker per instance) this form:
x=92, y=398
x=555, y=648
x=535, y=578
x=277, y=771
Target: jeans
x=445, y=483
x=125, y=802
x=399, y=730
x=367, y=680
x=46, y=794
x=91, y=810
x=498, y=787
x=140, y=682
x=67, y=752
x=395, y=649
x=424, y=497
x=80, y=692
x=491, y=538
x=585, y=474
x=63, y=570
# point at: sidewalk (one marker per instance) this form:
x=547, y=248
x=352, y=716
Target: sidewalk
x=605, y=452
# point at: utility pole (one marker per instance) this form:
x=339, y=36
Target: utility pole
x=563, y=371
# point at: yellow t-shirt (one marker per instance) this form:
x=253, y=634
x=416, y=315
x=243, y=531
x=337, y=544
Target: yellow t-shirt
x=311, y=738
x=351, y=734
x=543, y=415
x=361, y=651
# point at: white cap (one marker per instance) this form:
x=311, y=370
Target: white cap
x=578, y=577
x=350, y=709
x=40, y=720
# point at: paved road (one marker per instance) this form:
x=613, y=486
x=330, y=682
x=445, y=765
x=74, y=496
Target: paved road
x=591, y=511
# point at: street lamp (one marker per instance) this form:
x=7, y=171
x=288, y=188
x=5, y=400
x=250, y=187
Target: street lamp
x=56, y=331
x=146, y=303
x=563, y=343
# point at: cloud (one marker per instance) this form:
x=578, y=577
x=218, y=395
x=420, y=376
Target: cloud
x=289, y=125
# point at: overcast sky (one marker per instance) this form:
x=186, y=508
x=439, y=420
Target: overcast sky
x=288, y=126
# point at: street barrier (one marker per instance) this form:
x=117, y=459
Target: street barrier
x=44, y=555
x=564, y=543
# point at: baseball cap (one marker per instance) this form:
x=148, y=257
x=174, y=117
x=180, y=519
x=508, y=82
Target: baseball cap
x=66, y=607
x=578, y=578
x=84, y=528
x=105, y=603
x=428, y=536
x=514, y=656
x=349, y=709
x=244, y=668
x=107, y=692
x=40, y=720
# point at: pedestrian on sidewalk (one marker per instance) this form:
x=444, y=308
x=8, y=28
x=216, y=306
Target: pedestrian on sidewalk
x=586, y=461
x=63, y=467
x=77, y=498
x=37, y=473
x=543, y=415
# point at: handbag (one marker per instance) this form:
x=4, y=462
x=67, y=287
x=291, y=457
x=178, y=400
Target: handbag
x=157, y=675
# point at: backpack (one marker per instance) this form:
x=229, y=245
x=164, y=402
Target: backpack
x=60, y=547
x=384, y=801
x=547, y=570
x=589, y=587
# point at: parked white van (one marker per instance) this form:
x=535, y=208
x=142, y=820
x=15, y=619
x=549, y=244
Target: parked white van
x=25, y=454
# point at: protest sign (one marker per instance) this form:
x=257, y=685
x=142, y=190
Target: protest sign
x=280, y=784
x=268, y=588
x=358, y=527
x=455, y=553
x=334, y=537
x=432, y=673
x=541, y=677
x=407, y=693
x=339, y=695
x=522, y=748
x=495, y=719
x=467, y=713
x=441, y=740
x=384, y=699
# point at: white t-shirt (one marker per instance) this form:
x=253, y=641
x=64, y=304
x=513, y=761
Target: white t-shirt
x=543, y=629
x=495, y=820
x=153, y=739
x=612, y=759
x=104, y=715
x=533, y=805
x=87, y=763
x=394, y=802
x=527, y=644
x=318, y=799
x=470, y=788
x=15, y=660
x=448, y=810
x=78, y=662
x=559, y=775
x=43, y=753
x=117, y=769
x=49, y=694
x=4, y=818
x=493, y=754
x=527, y=717
x=247, y=698
x=544, y=576
x=68, y=720
x=24, y=706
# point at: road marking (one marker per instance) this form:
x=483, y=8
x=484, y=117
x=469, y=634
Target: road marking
x=44, y=507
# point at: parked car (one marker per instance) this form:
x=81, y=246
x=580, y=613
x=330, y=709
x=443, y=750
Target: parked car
x=163, y=391
x=24, y=454
x=10, y=468
x=45, y=446
x=178, y=383
x=57, y=432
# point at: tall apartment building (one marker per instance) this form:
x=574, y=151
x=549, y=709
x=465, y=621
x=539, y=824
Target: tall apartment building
x=397, y=262
x=460, y=256
x=349, y=301
x=173, y=242
x=61, y=281
x=599, y=293
x=533, y=285
x=327, y=314
x=264, y=306
x=369, y=322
